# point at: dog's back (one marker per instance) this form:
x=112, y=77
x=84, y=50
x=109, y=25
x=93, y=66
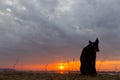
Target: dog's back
x=87, y=53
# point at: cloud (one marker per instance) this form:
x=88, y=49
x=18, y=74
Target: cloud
x=55, y=27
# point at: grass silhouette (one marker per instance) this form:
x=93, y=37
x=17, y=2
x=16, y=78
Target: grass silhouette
x=17, y=75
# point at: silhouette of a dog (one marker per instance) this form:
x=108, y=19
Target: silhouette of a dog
x=88, y=58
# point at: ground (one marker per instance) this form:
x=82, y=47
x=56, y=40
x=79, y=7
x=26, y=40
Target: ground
x=13, y=75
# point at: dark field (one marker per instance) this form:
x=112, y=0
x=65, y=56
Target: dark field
x=13, y=75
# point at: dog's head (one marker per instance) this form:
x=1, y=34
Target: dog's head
x=95, y=44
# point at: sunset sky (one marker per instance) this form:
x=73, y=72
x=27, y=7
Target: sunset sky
x=45, y=34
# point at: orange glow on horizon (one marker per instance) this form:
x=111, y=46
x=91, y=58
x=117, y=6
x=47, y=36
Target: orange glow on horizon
x=72, y=66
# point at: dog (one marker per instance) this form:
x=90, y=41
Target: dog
x=88, y=58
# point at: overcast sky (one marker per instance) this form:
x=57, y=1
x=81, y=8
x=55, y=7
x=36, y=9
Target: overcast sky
x=48, y=31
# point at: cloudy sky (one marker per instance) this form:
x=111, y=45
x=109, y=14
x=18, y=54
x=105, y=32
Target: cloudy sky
x=50, y=31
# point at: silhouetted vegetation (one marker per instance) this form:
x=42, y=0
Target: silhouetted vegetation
x=16, y=75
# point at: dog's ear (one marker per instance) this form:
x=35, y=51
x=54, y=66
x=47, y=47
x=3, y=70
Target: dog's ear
x=97, y=40
x=90, y=42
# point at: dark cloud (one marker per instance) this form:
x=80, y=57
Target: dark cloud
x=57, y=28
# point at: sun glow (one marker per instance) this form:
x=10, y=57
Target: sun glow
x=61, y=67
